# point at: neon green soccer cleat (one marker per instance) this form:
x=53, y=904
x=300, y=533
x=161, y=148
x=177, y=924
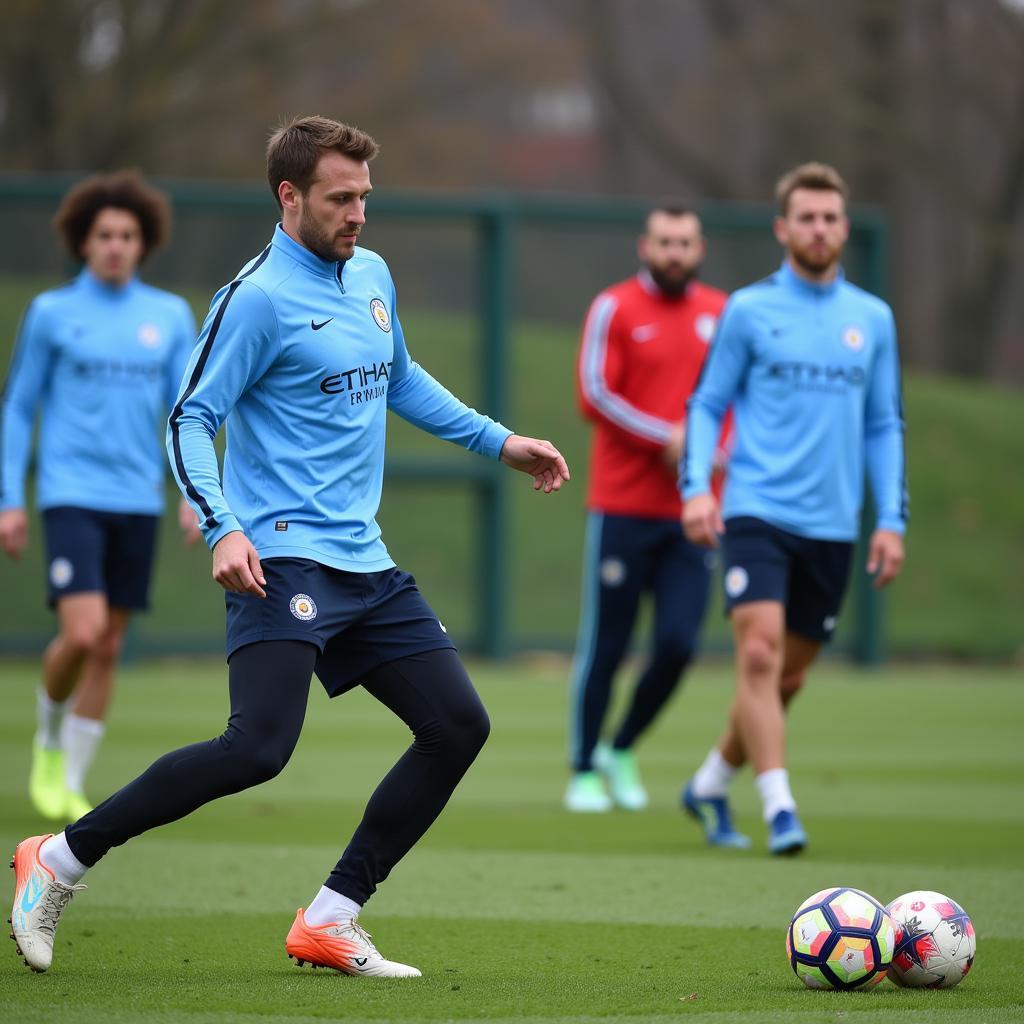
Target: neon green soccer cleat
x=586, y=794
x=46, y=782
x=619, y=768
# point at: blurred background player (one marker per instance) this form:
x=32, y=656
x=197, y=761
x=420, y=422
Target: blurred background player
x=810, y=363
x=304, y=353
x=103, y=357
x=644, y=343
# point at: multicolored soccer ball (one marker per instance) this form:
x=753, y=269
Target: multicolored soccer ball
x=841, y=938
x=936, y=945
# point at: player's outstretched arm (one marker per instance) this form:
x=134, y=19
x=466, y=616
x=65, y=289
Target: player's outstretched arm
x=885, y=556
x=13, y=532
x=702, y=520
x=236, y=566
x=541, y=459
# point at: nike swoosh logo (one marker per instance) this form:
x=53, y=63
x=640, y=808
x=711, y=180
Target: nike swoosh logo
x=32, y=895
x=316, y=326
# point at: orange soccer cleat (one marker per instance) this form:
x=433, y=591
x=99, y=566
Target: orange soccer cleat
x=342, y=945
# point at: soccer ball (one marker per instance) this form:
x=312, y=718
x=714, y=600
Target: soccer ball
x=840, y=938
x=936, y=945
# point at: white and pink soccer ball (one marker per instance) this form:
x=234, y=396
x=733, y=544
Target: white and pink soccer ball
x=936, y=944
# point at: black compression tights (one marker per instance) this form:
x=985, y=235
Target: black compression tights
x=269, y=685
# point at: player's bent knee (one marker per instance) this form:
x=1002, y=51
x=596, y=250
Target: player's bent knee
x=252, y=759
x=264, y=763
x=759, y=659
x=476, y=730
x=84, y=638
x=465, y=735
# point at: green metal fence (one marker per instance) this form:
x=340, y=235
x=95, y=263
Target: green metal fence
x=500, y=260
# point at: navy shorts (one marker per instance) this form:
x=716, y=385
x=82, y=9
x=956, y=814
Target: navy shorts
x=764, y=563
x=110, y=552
x=357, y=620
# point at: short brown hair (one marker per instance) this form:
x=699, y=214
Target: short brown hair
x=295, y=149
x=671, y=209
x=121, y=190
x=815, y=176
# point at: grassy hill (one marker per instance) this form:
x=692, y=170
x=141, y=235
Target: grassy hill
x=961, y=594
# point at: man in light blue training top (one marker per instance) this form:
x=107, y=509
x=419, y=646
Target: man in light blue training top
x=103, y=357
x=303, y=354
x=809, y=363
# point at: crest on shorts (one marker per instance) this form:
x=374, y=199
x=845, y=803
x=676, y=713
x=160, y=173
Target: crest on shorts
x=736, y=580
x=149, y=335
x=829, y=623
x=61, y=572
x=380, y=314
x=303, y=607
x=613, y=572
x=853, y=339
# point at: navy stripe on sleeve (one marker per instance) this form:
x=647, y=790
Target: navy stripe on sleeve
x=904, y=487
x=190, y=489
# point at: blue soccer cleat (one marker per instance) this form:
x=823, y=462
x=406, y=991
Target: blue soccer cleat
x=785, y=834
x=713, y=815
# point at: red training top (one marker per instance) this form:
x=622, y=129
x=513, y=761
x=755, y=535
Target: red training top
x=640, y=357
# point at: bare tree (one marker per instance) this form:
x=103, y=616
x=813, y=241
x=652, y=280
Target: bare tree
x=893, y=93
x=638, y=115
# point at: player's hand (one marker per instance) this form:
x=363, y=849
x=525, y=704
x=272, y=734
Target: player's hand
x=702, y=520
x=673, y=451
x=236, y=566
x=541, y=459
x=885, y=557
x=189, y=523
x=13, y=531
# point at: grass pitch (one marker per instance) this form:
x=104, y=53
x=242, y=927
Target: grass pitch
x=909, y=778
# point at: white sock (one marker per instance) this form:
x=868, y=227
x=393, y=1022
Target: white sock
x=773, y=785
x=57, y=856
x=49, y=717
x=81, y=738
x=330, y=907
x=713, y=776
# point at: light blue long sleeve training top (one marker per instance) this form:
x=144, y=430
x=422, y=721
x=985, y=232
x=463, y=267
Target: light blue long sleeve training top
x=813, y=374
x=104, y=362
x=303, y=358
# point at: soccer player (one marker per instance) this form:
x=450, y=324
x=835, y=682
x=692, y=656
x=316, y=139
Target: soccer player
x=644, y=342
x=103, y=356
x=303, y=354
x=810, y=364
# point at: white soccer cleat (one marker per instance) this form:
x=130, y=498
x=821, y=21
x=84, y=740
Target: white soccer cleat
x=345, y=946
x=620, y=769
x=39, y=900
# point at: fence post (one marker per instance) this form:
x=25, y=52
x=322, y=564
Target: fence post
x=868, y=645
x=493, y=535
